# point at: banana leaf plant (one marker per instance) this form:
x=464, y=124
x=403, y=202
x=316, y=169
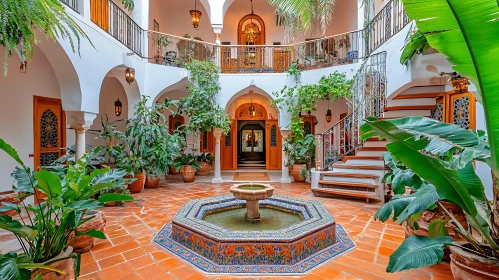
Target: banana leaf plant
x=45, y=230
x=441, y=154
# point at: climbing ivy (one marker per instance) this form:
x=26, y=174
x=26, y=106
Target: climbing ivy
x=300, y=98
x=201, y=104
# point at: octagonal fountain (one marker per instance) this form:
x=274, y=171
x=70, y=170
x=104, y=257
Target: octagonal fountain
x=253, y=231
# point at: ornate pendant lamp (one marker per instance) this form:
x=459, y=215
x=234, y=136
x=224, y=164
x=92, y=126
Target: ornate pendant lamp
x=251, y=109
x=130, y=75
x=118, y=107
x=251, y=30
x=195, y=15
x=329, y=115
x=460, y=84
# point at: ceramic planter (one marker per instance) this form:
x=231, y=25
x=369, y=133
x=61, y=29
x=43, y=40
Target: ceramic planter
x=172, y=170
x=187, y=173
x=151, y=182
x=10, y=197
x=83, y=244
x=137, y=185
x=438, y=214
x=296, y=173
x=466, y=265
x=65, y=265
x=204, y=170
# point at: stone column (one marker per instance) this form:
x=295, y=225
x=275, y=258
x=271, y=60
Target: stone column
x=319, y=153
x=217, y=132
x=285, y=179
x=80, y=122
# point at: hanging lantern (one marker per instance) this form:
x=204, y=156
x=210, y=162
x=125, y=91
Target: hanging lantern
x=309, y=112
x=251, y=109
x=329, y=115
x=458, y=83
x=195, y=16
x=130, y=75
x=118, y=107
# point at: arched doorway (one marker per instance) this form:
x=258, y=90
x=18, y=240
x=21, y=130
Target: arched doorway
x=251, y=30
x=254, y=140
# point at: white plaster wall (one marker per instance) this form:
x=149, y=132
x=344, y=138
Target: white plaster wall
x=16, y=109
x=111, y=90
x=337, y=108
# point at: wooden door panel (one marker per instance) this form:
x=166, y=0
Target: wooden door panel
x=461, y=110
x=273, y=146
x=308, y=125
x=99, y=13
x=49, y=123
x=228, y=145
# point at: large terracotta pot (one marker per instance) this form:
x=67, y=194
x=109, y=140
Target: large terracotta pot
x=10, y=197
x=65, y=266
x=151, y=182
x=172, y=170
x=138, y=184
x=438, y=214
x=187, y=173
x=204, y=170
x=466, y=265
x=83, y=244
x=296, y=173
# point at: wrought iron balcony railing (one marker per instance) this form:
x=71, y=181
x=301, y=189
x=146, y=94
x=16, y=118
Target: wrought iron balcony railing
x=73, y=4
x=118, y=24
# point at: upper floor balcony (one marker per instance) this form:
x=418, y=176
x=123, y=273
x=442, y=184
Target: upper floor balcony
x=247, y=40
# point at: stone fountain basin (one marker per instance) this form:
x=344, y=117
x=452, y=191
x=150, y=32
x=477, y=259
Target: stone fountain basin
x=284, y=246
x=252, y=191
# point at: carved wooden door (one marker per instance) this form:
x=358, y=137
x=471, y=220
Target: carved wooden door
x=49, y=125
x=274, y=146
x=99, y=13
x=228, y=147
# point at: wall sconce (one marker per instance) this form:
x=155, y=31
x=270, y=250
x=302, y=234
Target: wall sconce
x=195, y=16
x=24, y=67
x=118, y=107
x=130, y=75
x=329, y=116
x=458, y=83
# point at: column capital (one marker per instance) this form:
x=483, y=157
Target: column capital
x=217, y=132
x=79, y=120
x=285, y=133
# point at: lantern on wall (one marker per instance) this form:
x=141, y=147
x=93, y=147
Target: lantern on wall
x=130, y=75
x=458, y=83
x=329, y=115
x=195, y=16
x=118, y=107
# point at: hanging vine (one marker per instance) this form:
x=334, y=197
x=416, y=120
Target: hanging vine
x=20, y=19
x=201, y=104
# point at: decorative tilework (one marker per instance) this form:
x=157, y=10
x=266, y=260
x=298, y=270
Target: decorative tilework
x=343, y=245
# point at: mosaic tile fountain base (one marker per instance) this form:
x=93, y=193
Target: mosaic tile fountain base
x=294, y=249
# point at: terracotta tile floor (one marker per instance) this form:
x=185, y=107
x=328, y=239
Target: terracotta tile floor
x=129, y=254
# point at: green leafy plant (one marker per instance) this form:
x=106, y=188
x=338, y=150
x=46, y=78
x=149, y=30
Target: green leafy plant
x=186, y=159
x=201, y=105
x=450, y=176
x=113, y=138
x=128, y=4
x=305, y=97
x=206, y=157
x=415, y=43
x=300, y=151
x=19, y=20
x=49, y=226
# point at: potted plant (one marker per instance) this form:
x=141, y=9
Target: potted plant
x=205, y=160
x=420, y=143
x=50, y=226
x=135, y=169
x=300, y=152
x=187, y=165
x=113, y=139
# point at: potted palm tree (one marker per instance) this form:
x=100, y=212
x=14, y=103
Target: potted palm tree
x=300, y=152
x=53, y=224
x=205, y=160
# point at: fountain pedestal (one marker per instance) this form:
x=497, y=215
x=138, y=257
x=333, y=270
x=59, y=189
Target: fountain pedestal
x=252, y=194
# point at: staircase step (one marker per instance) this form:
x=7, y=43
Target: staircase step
x=364, y=157
x=391, y=118
x=361, y=194
x=371, y=149
x=375, y=139
x=348, y=184
x=416, y=107
x=418, y=95
x=349, y=166
x=349, y=175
